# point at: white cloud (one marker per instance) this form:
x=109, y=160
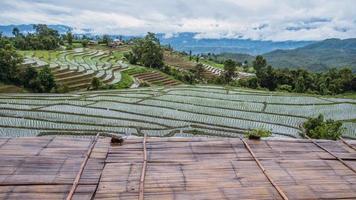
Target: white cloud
x=253, y=19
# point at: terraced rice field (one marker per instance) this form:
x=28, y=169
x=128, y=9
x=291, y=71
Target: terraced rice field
x=176, y=111
x=181, y=62
x=10, y=89
x=154, y=78
x=77, y=68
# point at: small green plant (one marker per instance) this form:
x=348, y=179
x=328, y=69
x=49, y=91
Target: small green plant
x=319, y=128
x=258, y=133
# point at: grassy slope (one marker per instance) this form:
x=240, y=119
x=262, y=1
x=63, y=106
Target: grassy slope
x=126, y=81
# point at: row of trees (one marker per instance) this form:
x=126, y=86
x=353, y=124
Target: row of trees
x=44, y=38
x=12, y=72
x=334, y=81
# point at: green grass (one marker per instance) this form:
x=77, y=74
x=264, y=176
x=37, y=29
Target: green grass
x=77, y=45
x=42, y=54
x=126, y=81
x=135, y=69
x=119, y=55
x=212, y=63
x=348, y=95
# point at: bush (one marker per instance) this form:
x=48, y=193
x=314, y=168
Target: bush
x=62, y=89
x=318, y=128
x=285, y=88
x=144, y=84
x=69, y=47
x=258, y=133
x=96, y=83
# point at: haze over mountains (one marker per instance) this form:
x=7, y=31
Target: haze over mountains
x=318, y=56
x=312, y=55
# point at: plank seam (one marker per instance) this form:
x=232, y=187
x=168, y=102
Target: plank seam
x=81, y=170
x=332, y=154
x=144, y=167
x=347, y=144
x=279, y=190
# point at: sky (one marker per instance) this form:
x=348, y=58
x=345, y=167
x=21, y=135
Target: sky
x=277, y=20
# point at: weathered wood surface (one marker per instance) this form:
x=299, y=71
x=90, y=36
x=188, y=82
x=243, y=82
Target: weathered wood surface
x=45, y=167
x=177, y=168
x=196, y=168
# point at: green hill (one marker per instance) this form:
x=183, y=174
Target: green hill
x=318, y=56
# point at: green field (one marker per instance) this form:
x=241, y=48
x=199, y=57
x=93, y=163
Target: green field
x=177, y=111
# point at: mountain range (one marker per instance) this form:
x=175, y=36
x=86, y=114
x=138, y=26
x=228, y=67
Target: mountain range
x=318, y=56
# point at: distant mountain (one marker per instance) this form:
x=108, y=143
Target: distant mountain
x=318, y=56
x=188, y=42
x=28, y=28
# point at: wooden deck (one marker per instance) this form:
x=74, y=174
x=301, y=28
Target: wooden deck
x=176, y=168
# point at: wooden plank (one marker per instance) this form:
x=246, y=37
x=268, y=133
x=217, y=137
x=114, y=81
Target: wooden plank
x=348, y=144
x=332, y=154
x=280, y=191
x=77, y=178
x=176, y=168
x=143, y=172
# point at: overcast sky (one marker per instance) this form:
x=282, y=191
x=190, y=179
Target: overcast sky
x=254, y=19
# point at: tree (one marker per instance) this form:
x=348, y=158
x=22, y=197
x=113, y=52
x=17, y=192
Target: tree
x=190, y=55
x=259, y=63
x=147, y=51
x=30, y=74
x=230, y=69
x=96, y=83
x=267, y=78
x=48, y=39
x=31, y=80
x=46, y=79
x=85, y=43
x=16, y=32
x=199, y=71
x=69, y=38
x=131, y=57
x=318, y=128
x=10, y=62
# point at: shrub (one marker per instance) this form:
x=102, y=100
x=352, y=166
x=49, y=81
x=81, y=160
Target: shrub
x=144, y=84
x=319, y=128
x=286, y=88
x=96, y=83
x=69, y=47
x=258, y=133
x=62, y=88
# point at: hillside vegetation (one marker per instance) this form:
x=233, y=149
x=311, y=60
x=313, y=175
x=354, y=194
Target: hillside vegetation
x=317, y=57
